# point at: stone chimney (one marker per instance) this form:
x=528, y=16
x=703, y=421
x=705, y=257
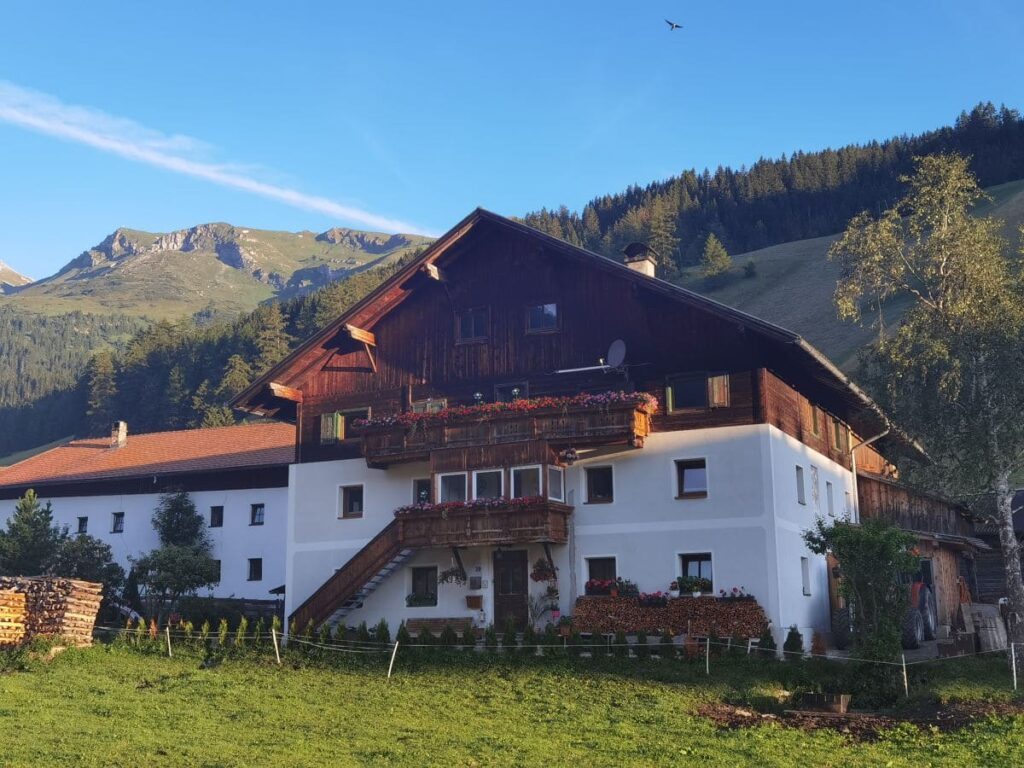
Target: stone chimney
x=639, y=258
x=119, y=434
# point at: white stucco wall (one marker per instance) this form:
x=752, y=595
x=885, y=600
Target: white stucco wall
x=233, y=544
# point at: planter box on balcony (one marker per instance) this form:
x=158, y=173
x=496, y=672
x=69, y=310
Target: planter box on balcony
x=505, y=521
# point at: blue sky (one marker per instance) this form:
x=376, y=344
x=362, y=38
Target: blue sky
x=308, y=115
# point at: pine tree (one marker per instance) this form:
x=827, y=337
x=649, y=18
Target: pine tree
x=716, y=260
x=31, y=539
x=177, y=399
x=237, y=376
x=272, y=340
x=663, y=235
x=102, y=392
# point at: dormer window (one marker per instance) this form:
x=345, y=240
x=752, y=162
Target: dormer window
x=542, y=318
x=473, y=324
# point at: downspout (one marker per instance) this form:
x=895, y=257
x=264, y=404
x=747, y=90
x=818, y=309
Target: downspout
x=853, y=465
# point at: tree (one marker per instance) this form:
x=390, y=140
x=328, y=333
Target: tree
x=182, y=564
x=715, y=260
x=873, y=556
x=86, y=557
x=177, y=399
x=102, y=394
x=237, y=376
x=31, y=539
x=663, y=238
x=950, y=370
x=272, y=339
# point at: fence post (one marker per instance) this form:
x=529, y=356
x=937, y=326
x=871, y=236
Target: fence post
x=277, y=650
x=707, y=655
x=1013, y=662
x=394, y=652
x=167, y=631
x=906, y=685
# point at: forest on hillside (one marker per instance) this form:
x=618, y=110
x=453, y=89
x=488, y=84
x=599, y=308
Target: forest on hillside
x=808, y=194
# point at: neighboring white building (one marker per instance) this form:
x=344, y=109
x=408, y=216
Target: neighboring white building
x=109, y=487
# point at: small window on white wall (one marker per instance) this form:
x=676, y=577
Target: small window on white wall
x=556, y=484
x=849, y=506
x=830, y=498
x=801, y=492
x=805, y=575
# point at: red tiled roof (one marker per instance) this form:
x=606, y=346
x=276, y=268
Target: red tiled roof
x=190, y=450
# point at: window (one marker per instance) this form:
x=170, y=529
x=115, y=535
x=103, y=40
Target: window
x=542, y=318
x=525, y=482
x=601, y=568
x=421, y=490
x=691, y=479
x=351, y=500
x=815, y=490
x=216, y=517
x=805, y=575
x=429, y=405
x=815, y=421
x=255, y=569
x=506, y=393
x=698, y=390
x=452, y=487
x=338, y=425
x=698, y=565
x=556, y=484
x=424, y=586
x=801, y=493
x=472, y=324
x=839, y=435
x=117, y=525
x=849, y=506
x=488, y=484
x=216, y=568
x=83, y=525
x=600, y=487
x=829, y=500
x=256, y=514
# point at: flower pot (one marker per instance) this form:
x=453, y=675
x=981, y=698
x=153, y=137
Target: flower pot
x=696, y=593
x=673, y=593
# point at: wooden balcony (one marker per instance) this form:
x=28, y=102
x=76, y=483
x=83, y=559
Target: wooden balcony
x=540, y=521
x=573, y=426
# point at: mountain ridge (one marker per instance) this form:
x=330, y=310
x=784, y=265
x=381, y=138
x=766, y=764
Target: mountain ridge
x=11, y=280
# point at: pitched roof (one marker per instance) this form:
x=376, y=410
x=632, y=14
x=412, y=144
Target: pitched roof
x=869, y=418
x=157, y=453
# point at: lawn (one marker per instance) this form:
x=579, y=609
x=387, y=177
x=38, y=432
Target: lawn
x=118, y=706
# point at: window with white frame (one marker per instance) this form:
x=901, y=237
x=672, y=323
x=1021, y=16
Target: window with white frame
x=805, y=575
x=488, y=484
x=829, y=498
x=452, y=487
x=801, y=492
x=525, y=482
x=556, y=484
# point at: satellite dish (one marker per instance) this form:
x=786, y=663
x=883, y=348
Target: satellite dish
x=616, y=354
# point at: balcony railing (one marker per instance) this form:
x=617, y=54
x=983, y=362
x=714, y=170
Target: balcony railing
x=517, y=521
x=573, y=425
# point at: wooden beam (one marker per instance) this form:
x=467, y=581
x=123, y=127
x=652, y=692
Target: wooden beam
x=366, y=337
x=434, y=272
x=285, y=393
x=369, y=354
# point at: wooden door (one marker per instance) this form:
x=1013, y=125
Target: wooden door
x=511, y=588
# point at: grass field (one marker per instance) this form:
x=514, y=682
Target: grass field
x=116, y=706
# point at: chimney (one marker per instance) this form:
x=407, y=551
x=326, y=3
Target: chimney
x=119, y=434
x=640, y=258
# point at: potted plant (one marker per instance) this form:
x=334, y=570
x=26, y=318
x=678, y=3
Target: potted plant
x=543, y=570
x=653, y=599
x=695, y=585
x=565, y=626
x=599, y=587
x=673, y=588
x=453, y=575
x=626, y=588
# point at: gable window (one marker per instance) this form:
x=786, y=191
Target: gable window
x=801, y=493
x=600, y=486
x=216, y=517
x=255, y=569
x=256, y=512
x=601, y=568
x=472, y=324
x=421, y=490
x=525, y=482
x=424, y=586
x=542, y=318
x=117, y=523
x=488, y=484
x=815, y=421
x=451, y=487
x=338, y=426
x=216, y=570
x=351, y=501
x=805, y=575
x=691, y=479
x=556, y=484
x=506, y=393
x=698, y=390
x=698, y=565
x=839, y=435
x=429, y=405
x=83, y=524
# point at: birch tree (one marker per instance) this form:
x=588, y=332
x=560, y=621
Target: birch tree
x=950, y=370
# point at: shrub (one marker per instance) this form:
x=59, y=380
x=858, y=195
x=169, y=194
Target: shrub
x=275, y=624
x=424, y=640
x=575, y=643
x=491, y=639
x=794, y=645
x=222, y=633
x=449, y=639
x=551, y=640
x=620, y=645
x=737, y=646
x=641, y=648
x=402, y=636
x=750, y=269
x=240, y=633
x=818, y=647
x=363, y=634
x=766, y=645
x=598, y=645
x=141, y=632
x=383, y=632
x=258, y=631
x=666, y=646
x=529, y=641
x=508, y=638
x=204, y=633
x=323, y=637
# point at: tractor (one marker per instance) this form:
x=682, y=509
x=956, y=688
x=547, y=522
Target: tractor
x=920, y=622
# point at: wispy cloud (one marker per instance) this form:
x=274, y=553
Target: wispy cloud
x=42, y=113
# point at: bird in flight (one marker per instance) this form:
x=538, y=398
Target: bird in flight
x=672, y=26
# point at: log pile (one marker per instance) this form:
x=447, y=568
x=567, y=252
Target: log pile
x=12, y=618
x=693, y=615
x=56, y=607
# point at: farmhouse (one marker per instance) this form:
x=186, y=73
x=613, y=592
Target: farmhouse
x=109, y=488
x=509, y=404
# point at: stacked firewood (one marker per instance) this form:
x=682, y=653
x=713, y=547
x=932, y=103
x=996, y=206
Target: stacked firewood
x=12, y=617
x=684, y=615
x=56, y=607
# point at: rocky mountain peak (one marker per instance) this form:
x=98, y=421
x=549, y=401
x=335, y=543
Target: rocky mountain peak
x=11, y=280
x=371, y=242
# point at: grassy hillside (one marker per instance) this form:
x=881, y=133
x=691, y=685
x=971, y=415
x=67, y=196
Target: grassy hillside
x=794, y=283
x=216, y=268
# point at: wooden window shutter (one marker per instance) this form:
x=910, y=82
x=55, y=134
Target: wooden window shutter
x=718, y=391
x=331, y=428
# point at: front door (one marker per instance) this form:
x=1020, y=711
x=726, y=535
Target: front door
x=511, y=588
